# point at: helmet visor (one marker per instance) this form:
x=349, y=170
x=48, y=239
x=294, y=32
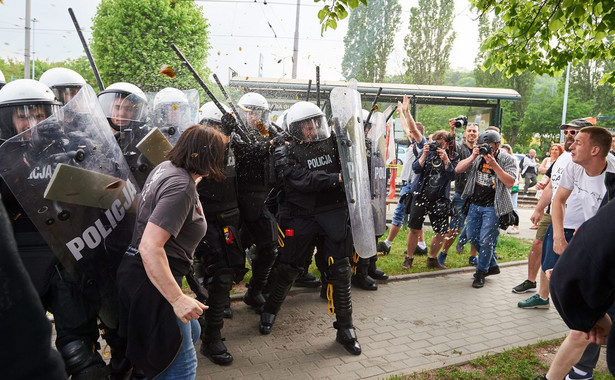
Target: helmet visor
x=16, y=119
x=255, y=117
x=122, y=110
x=313, y=129
x=65, y=93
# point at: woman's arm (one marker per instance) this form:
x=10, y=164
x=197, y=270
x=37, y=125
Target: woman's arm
x=158, y=270
x=542, y=169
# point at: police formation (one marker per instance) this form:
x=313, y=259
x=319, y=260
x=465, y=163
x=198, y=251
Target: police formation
x=73, y=164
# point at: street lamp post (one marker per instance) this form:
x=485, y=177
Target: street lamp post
x=34, y=20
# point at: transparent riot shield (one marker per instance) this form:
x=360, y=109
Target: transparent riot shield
x=378, y=178
x=71, y=178
x=348, y=126
x=173, y=111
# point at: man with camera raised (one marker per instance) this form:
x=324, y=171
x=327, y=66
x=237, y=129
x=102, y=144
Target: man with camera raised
x=491, y=174
x=436, y=170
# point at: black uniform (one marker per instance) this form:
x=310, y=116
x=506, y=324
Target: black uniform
x=128, y=139
x=254, y=179
x=313, y=209
x=219, y=258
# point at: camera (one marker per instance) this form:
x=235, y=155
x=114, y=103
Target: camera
x=434, y=145
x=485, y=148
x=461, y=121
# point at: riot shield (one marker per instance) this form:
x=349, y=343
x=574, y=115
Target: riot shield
x=348, y=126
x=378, y=176
x=69, y=175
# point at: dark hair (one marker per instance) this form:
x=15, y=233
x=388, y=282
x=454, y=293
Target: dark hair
x=420, y=127
x=441, y=135
x=200, y=150
x=600, y=137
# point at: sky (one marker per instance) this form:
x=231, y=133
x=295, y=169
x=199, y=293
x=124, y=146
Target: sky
x=240, y=32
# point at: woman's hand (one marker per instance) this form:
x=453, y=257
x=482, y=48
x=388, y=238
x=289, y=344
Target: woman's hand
x=187, y=308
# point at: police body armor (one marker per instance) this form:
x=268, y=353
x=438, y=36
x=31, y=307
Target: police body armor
x=138, y=164
x=75, y=187
x=348, y=126
x=317, y=155
x=253, y=174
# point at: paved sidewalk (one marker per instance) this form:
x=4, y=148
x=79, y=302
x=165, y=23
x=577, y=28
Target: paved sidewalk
x=406, y=326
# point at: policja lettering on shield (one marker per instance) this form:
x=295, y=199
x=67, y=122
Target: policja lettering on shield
x=94, y=235
x=319, y=161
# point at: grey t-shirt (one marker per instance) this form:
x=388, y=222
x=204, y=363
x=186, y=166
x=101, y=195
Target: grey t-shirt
x=169, y=200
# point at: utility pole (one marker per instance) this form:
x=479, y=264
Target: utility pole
x=34, y=20
x=296, y=46
x=26, y=58
x=561, y=134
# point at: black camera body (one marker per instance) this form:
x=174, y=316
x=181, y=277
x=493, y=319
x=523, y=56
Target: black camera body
x=434, y=145
x=485, y=148
x=461, y=121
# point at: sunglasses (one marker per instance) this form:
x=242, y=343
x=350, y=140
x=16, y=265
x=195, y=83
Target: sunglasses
x=570, y=132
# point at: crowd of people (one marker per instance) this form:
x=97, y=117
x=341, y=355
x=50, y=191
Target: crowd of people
x=188, y=192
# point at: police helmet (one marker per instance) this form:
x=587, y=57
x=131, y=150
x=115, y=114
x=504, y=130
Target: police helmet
x=23, y=104
x=210, y=113
x=255, y=109
x=123, y=104
x=489, y=137
x=171, y=108
x=65, y=83
x=2, y=80
x=307, y=123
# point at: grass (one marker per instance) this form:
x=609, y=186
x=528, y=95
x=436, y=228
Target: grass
x=517, y=363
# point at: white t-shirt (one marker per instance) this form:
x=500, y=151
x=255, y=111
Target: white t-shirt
x=587, y=190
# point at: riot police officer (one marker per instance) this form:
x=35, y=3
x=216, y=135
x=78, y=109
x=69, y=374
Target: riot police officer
x=219, y=258
x=25, y=103
x=2, y=80
x=125, y=107
x=313, y=208
x=171, y=112
x=254, y=183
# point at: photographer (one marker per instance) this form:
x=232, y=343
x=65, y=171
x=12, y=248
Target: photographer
x=491, y=174
x=436, y=170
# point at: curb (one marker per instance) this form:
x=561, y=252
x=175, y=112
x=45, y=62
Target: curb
x=403, y=277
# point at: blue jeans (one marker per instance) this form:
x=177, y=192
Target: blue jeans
x=482, y=228
x=184, y=364
x=459, y=218
x=400, y=214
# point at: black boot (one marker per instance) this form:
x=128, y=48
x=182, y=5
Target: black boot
x=374, y=272
x=262, y=265
x=228, y=312
x=360, y=278
x=339, y=275
x=213, y=347
x=284, y=281
x=307, y=280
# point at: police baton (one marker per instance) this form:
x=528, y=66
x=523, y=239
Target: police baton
x=374, y=106
x=390, y=114
x=241, y=126
x=87, y=50
x=307, y=96
x=318, y=86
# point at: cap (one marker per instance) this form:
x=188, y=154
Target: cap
x=577, y=123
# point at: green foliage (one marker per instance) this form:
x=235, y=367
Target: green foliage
x=131, y=42
x=329, y=15
x=367, y=42
x=544, y=36
x=429, y=42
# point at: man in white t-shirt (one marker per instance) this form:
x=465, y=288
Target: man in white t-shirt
x=585, y=179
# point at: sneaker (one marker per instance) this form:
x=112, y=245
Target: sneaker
x=573, y=375
x=472, y=260
x=479, y=279
x=525, y=286
x=407, y=263
x=442, y=258
x=433, y=263
x=534, y=302
x=420, y=251
x=493, y=270
x=383, y=247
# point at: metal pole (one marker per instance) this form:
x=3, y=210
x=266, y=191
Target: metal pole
x=296, y=46
x=34, y=20
x=26, y=56
x=561, y=133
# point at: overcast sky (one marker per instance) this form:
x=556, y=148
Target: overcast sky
x=240, y=31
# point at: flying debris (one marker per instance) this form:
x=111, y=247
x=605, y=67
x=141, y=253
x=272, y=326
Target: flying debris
x=167, y=71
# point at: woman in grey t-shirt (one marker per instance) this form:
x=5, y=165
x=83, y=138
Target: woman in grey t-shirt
x=169, y=226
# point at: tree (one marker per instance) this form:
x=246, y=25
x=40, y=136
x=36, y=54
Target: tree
x=523, y=83
x=368, y=41
x=428, y=45
x=544, y=36
x=329, y=15
x=131, y=42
